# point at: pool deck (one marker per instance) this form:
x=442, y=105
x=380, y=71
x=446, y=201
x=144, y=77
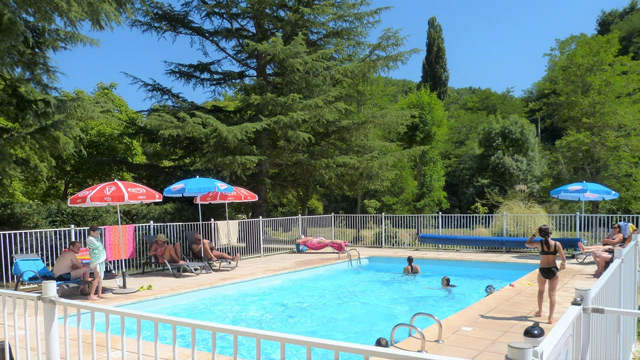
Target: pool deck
x=481, y=331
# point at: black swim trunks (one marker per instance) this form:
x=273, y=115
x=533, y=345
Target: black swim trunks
x=64, y=277
x=549, y=273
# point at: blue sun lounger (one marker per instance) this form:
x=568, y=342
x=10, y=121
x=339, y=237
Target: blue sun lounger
x=29, y=269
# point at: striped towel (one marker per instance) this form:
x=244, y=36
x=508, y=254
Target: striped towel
x=112, y=242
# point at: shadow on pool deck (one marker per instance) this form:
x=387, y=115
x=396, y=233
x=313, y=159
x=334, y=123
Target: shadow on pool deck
x=481, y=331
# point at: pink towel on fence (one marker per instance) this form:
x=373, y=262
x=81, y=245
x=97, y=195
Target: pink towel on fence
x=112, y=242
x=312, y=245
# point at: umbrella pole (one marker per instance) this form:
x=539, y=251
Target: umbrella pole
x=201, y=236
x=124, y=271
x=226, y=209
x=582, y=207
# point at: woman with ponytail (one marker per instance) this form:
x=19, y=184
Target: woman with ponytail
x=548, y=271
x=410, y=268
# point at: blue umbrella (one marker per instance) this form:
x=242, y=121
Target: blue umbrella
x=584, y=191
x=195, y=187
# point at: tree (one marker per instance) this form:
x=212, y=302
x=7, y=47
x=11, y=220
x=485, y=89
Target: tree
x=435, y=73
x=627, y=23
x=422, y=137
x=508, y=156
x=590, y=93
x=288, y=68
x=33, y=128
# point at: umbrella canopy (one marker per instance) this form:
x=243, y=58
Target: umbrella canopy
x=196, y=186
x=115, y=193
x=237, y=195
x=584, y=191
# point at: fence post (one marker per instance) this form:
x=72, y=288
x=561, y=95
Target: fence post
x=439, y=223
x=300, y=226
x=333, y=226
x=504, y=224
x=585, y=334
x=617, y=254
x=50, y=309
x=151, y=227
x=73, y=232
x=578, y=225
x=382, y=230
x=261, y=238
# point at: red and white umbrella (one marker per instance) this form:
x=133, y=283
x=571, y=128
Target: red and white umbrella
x=115, y=193
x=237, y=195
x=216, y=197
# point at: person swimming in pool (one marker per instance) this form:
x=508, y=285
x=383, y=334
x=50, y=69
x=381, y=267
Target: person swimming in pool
x=548, y=271
x=410, y=268
x=446, y=282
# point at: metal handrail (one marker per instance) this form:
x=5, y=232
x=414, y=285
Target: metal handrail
x=393, y=333
x=417, y=315
x=350, y=257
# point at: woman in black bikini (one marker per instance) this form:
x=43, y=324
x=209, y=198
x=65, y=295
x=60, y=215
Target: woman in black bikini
x=549, y=250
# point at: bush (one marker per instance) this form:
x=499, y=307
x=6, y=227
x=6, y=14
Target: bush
x=535, y=215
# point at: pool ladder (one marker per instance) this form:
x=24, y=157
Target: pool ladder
x=418, y=331
x=351, y=257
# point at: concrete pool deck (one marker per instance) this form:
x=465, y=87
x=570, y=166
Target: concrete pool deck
x=481, y=331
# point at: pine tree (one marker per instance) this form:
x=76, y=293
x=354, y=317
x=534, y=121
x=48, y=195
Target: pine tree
x=288, y=70
x=435, y=73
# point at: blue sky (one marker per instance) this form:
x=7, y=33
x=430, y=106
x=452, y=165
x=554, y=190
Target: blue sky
x=495, y=44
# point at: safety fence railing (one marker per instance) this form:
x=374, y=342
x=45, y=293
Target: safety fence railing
x=262, y=237
x=601, y=323
x=45, y=326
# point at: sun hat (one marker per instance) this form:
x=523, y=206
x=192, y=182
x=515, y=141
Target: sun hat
x=161, y=237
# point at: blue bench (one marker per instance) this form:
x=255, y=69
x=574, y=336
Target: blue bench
x=491, y=241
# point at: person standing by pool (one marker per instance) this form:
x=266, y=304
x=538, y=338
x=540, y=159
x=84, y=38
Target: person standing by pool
x=98, y=257
x=548, y=271
x=410, y=268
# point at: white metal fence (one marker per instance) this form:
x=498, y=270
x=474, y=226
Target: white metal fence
x=261, y=237
x=582, y=333
x=45, y=325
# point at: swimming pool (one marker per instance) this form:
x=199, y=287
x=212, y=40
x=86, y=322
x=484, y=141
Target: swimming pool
x=333, y=302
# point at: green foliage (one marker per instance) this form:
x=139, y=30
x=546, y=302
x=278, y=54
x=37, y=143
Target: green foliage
x=518, y=204
x=435, y=74
x=626, y=23
x=590, y=94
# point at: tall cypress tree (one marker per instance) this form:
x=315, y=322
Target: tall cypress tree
x=435, y=73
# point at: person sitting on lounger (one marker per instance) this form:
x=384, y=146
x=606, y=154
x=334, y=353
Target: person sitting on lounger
x=613, y=239
x=210, y=251
x=164, y=251
x=317, y=240
x=68, y=267
x=410, y=268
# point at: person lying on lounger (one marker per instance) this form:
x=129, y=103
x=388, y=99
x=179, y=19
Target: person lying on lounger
x=164, y=251
x=317, y=240
x=210, y=251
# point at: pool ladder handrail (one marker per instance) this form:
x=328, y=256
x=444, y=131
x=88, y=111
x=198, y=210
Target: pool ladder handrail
x=351, y=258
x=435, y=318
x=410, y=326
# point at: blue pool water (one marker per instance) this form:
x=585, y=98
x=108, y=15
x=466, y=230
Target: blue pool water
x=332, y=302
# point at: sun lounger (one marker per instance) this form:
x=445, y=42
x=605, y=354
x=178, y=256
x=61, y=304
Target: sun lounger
x=176, y=269
x=219, y=263
x=316, y=246
x=491, y=241
x=29, y=269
